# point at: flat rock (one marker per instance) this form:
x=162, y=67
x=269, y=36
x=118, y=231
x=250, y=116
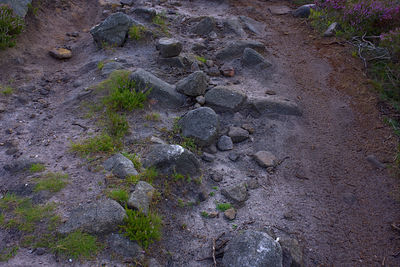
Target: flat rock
x=252, y=25
x=204, y=27
x=169, y=47
x=201, y=124
x=238, y=134
x=280, y=10
x=124, y=247
x=193, y=85
x=303, y=11
x=147, y=14
x=265, y=159
x=253, y=249
x=163, y=92
x=252, y=58
x=111, y=66
x=103, y=216
x=234, y=49
x=275, y=104
x=170, y=159
x=141, y=197
x=236, y=193
x=225, y=143
x=120, y=166
x=223, y=99
x=60, y=53
x=331, y=30
x=233, y=25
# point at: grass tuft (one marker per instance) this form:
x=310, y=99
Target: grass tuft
x=101, y=143
x=77, y=245
x=52, y=182
x=223, y=206
x=37, y=167
x=136, y=32
x=119, y=195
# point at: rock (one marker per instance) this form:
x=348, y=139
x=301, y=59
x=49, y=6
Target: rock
x=209, y=63
x=303, y=11
x=375, y=162
x=120, y=166
x=156, y=140
x=225, y=143
x=141, y=197
x=274, y=104
x=212, y=149
x=233, y=25
x=292, y=252
x=194, y=67
x=163, y=92
x=279, y=10
x=236, y=193
x=230, y=214
x=124, y=247
x=251, y=25
x=201, y=99
x=20, y=165
x=153, y=263
x=40, y=251
x=253, y=249
x=111, y=66
x=204, y=27
x=20, y=7
x=248, y=127
x=252, y=184
x=169, y=159
x=127, y=2
x=169, y=47
x=147, y=14
x=234, y=49
x=208, y=157
x=252, y=58
x=213, y=214
x=228, y=71
x=198, y=47
x=103, y=216
x=197, y=105
x=60, y=53
x=216, y=177
x=193, y=85
x=214, y=71
x=176, y=62
x=234, y=156
x=113, y=30
x=201, y=124
x=331, y=30
x=223, y=99
x=203, y=195
x=265, y=159
x=238, y=134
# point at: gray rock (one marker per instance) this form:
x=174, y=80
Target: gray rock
x=238, y=134
x=153, y=263
x=204, y=27
x=303, y=11
x=234, y=49
x=201, y=99
x=275, y=104
x=212, y=149
x=120, y=166
x=375, y=162
x=234, y=156
x=208, y=157
x=265, y=159
x=216, y=177
x=124, y=247
x=223, y=99
x=193, y=85
x=163, y=92
x=279, y=10
x=292, y=252
x=176, y=62
x=253, y=249
x=147, y=14
x=20, y=7
x=236, y=193
x=110, y=67
x=225, y=143
x=103, y=216
x=127, y=2
x=213, y=71
x=201, y=124
x=233, y=25
x=251, y=25
x=20, y=165
x=113, y=30
x=140, y=198
x=169, y=159
x=169, y=47
x=252, y=58
x=331, y=30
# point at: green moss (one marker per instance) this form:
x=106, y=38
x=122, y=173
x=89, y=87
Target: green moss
x=223, y=206
x=201, y=59
x=37, y=167
x=77, y=245
x=52, y=182
x=6, y=90
x=119, y=195
x=98, y=144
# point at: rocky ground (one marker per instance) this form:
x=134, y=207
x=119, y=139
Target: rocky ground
x=289, y=129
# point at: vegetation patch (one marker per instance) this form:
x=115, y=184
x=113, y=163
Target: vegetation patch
x=8, y=253
x=37, y=167
x=148, y=175
x=52, y=182
x=6, y=90
x=136, y=32
x=77, y=245
x=135, y=160
x=119, y=195
x=103, y=143
x=153, y=117
x=11, y=26
x=201, y=59
x=223, y=206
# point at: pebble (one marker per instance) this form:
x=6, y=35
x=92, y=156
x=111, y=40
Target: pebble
x=225, y=143
x=230, y=214
x=61, y=53
x=228, y=71
x=201, y=99
x=208, y=157
x=265, y=159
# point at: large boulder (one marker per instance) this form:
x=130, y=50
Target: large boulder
x=253, y=249
x=170, y=159
x=113, y=30
x=223, y=99
x=169, y=47
x=251, y=25
x=163, y=92
x=204, y=27
x=193, y=85
x=120, y=166
x=141, y=197
x=103, y=216
x=275, y=104
x=234, y=49
x=201, y=124
x=20, y=7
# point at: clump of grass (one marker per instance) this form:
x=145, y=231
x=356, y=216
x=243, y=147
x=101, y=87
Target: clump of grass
x=148, y=175
x=178, y=176
x=77, y=245
x=8, y=253
x=116, y=125
x=10, y=26
x=136, y=32
x=145, y=229
x=204, y=214
x=37, y=167
x=52, y=182
x=201, y=59
x=101, y=143
x=6, y=90
x=223, y=206
x=135, y=160
x=100, y=65
x=153, y=117
x=119, y=195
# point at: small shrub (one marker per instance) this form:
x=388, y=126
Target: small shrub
x=211, y=194
x=145, y=229
x=37, y=167
x=153, y=117
x=10, y=26
x=135, y=160
x=8, y=253
x=136, y=32
x=119, y=195
x=7, y=90
x=148, y=175
x=101, y=143
x=178, y=176
x=204, y=214
x=77, y=245
x=223, y=206
x=52, y=182
x=117, y=125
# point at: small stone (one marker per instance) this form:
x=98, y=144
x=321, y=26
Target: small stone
x=40, y=251
x=197, y=105
x=214, y=71
x=252, y=58
x=279, y=10
x=238, y=134
x=213, y=214
x=212, y=149
x=120, y=166
x=270, y=92
x=208, y=157
x=60, y=53
x=375, y=162
x=201, y=99
x=236, y=193
x=193, y=85
x=194, y=67
x=156, y=140
x=141, y=197
x=331, y=30
x=230, y=214
x=252, y=184
x=209, y=63
x=248, y=127
x=169, y=47
x=126, y=2
x=225, y=143
x=202, y=195
x=265, y=159
x=216, y=177
x=228, y=71
x=234, y=156
x=125, y=247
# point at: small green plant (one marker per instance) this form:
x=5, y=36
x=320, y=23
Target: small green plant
x=205, y=214
x=135, y=160
x=116, y=125
x=10, y=26
x=119, y=195
x=145, y=229
x=100, y=65
x=201, y=59
x=37, y=167
x=234, y=226
x=211, y=194
x=33, y=9
x=52, y=182
x=101, y=143
x=8, y=253
x=7, y=90
x=178, y=176
x=181, y=203
x=223, y=206
x=190, y=144
x=153, y=116
x=215, y=187
x=148, y=175
x=136, y=32
x=77, y=245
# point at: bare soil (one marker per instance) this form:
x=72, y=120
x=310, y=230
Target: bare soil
x=326, y=194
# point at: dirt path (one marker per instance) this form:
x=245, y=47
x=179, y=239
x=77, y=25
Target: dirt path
x=326, y=194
